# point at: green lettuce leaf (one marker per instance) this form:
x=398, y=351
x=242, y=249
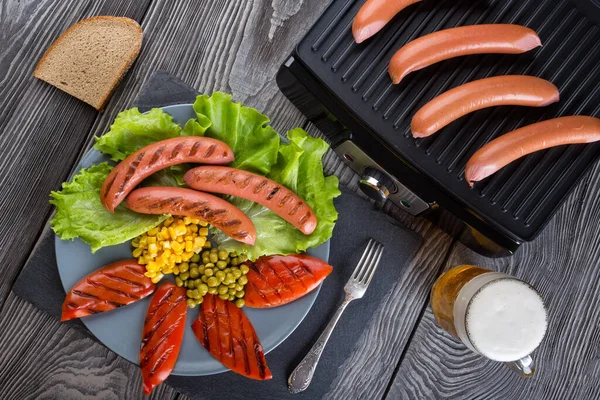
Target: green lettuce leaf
x=79, y=212
x=133, y=130
x=244, y=129
x=299, y=168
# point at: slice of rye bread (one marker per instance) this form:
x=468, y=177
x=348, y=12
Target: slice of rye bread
x=89, y=59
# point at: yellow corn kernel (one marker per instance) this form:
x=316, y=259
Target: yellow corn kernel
x=157, y=278
x=164, y=232
x=172, y=259
x=195, y=221
x=167, y=270
x=166, y=254
x=188, y=245
x=152, y=266
x=175, y=270
x=180, y=230
x=179, y=239
x=143, y=241
x=203, y=232
x=151, y=240
x=142, y=260
x=206, y=245
x=153, y=231
x=172, y=233
x=187, y=255
x=150, y=274
x=135, y=242
x=178, y=259
x=166, y=244
x=175, y=246
x=137, y=252
x=193, y=228
x=187, y=220
x=168, y=221
x=188, y=237
x=152, y=247
x=203, y=223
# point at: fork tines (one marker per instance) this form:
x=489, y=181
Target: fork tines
x=363, y=273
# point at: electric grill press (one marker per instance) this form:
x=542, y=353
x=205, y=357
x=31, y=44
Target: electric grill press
x=344, y=88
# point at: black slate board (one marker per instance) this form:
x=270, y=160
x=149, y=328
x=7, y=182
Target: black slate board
x=358, y=221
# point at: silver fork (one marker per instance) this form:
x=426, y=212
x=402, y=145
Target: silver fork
x=355, y=289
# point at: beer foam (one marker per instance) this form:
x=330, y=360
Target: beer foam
x=506, y=320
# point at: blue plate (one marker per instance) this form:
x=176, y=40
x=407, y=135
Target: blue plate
x=121, y=330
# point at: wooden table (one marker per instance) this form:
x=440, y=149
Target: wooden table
x=237, y=46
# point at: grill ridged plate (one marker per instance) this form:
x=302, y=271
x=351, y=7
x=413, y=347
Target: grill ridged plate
x=520, y=198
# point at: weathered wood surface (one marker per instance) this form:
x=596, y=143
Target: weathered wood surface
x=563, y=264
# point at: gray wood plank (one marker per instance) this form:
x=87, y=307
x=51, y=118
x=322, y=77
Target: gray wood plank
x=563, y=265
x=43, y=358
x=42, y=128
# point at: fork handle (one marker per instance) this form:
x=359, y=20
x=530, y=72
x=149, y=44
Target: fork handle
x=303, y=374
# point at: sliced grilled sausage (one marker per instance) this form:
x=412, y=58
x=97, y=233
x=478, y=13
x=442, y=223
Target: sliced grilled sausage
x=374, y=15
x=455, y=42
x=147, y=160
x=515, y=90
x=110, y=287
x=228, y=335
x=285, y=203
x=191, y=203
x=162, y=335
x=516, y=144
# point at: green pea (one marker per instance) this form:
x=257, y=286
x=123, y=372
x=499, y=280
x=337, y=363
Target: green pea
x=242, y=280
x=209, y=265
x=191, y=303
x=236, y=273
x=227, y=270
x=204, y=278
x=212, y=290
x=203, y=287
x=205, y=253
x=240, y=294
x=222, y=255
x=224, y=296
x=239, y=303
x=198, y=282
x=231, y=297
x=239, y=287
x=196, y=294
x=195, y=258
x=214, y=250
x=221, y=264
x=183, y=267
x=193, y=265
x=199, y=301
x=235, y=261
x=205, y=259
x=189, y=293
x=208, y=272
x=233, y=254
x=244, y=268
x=212, y=282
x=178, y=282
x=214, y=257
x=223, y=289
x=185, y=283
x=184, y=276
x=201, y=270
x=242, y=257
x=232, y=291
x=220, y=275
x=194, y=273
x=230, y=277
x=191, y=284
x=231, y=286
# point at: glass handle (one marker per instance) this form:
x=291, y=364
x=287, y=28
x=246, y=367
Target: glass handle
x=525, y=366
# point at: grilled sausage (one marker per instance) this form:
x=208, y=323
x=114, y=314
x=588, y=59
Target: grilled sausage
x=496, y=91
x=277, y=280
x=191, y=203
x=162, y=335
x=285, y=203
x=228, y=335
x=147, y=160
x=462, y=41
x=516, y=144
x=374, y=15
x=110, y=287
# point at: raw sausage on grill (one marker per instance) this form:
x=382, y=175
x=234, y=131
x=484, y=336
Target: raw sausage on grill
x=191, y=203
x=374, y=15
x=110, y=287
x=285, y=203
x=455, y=42
x=516, y=144
x=147, y=160
x=515, y=90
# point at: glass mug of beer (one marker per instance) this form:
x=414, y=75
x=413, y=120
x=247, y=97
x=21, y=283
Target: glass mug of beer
x=493, y=314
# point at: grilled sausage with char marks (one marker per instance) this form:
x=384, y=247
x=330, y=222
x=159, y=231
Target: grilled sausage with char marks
x=282, y=201
x=134, y=169
x=191, y=203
